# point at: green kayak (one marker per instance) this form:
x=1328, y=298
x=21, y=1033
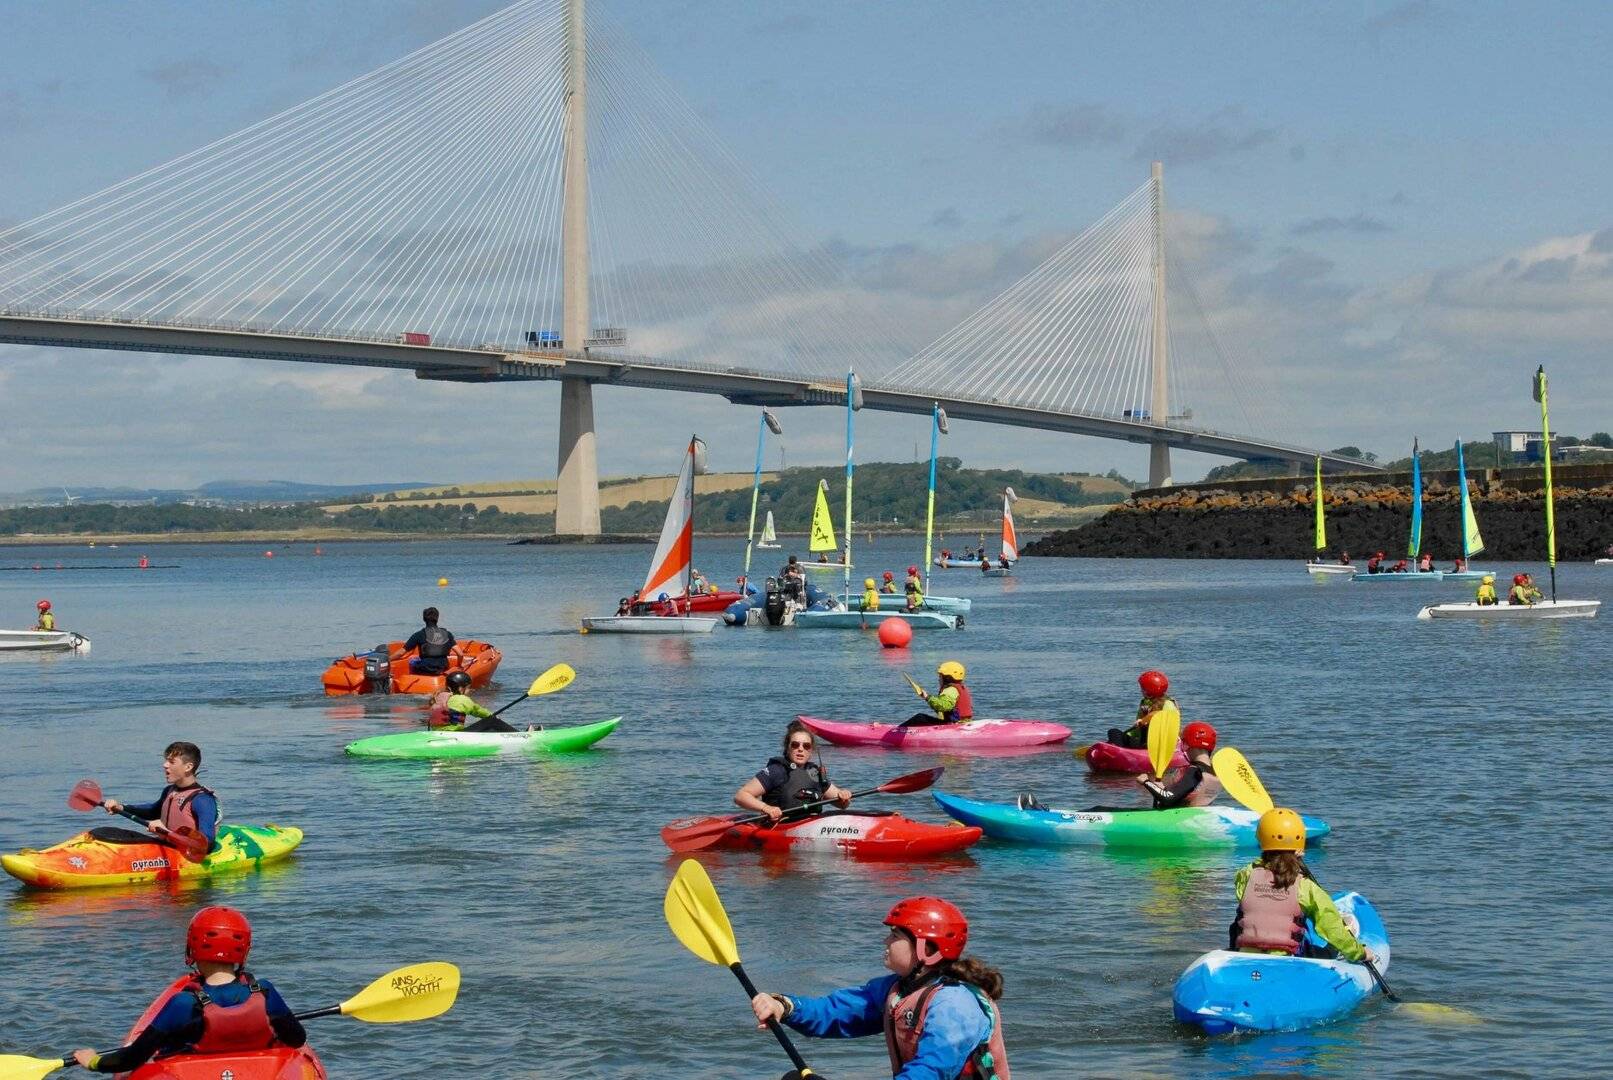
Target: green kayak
x=420, y=745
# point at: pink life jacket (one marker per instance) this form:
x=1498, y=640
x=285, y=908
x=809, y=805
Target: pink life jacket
x=234, y=1028
x=904, y=1027
x=1269, y=919
x=175, y=812
x=438, y=716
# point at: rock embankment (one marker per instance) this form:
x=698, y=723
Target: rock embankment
x=1361, y=518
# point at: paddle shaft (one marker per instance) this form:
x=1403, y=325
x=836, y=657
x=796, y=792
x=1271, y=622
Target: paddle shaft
x=512, y=704
x=814, y=805
x=332, y=1010
x=716, y=829
x=1372, y=968
x=772, y=1025
x=176, y=837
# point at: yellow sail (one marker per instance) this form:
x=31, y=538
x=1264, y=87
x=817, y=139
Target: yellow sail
x=1321, y=522
x=823, y=526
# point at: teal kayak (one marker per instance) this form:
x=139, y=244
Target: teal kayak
x=1183, y=827
x=941, y=605
x=419, y=745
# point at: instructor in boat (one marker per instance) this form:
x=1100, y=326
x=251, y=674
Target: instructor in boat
x=434, y=642
x=790, y=782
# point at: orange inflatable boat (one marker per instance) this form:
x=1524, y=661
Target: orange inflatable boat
x=373, y=673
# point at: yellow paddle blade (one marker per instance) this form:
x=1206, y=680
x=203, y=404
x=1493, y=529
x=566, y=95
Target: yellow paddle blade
x=917, y=689
x=416, y=992
x=556, y=678
x=1239, y=779
x=695, y=914
x=1435, y=1013
x=18, y=1067
x=1163, y=728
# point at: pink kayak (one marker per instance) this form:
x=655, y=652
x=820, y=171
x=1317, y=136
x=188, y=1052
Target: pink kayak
x=975, y=734
x=1107, y=757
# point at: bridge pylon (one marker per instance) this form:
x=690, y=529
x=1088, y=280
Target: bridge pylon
x=576, y=509
x=1159, y=453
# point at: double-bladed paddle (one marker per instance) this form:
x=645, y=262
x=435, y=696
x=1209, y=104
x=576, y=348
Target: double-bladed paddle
x=86, y=795
x=695, y=913
x=917, y=689
x=1241, y=781
x=556, y=678
x=416, y=992
x=706, y=833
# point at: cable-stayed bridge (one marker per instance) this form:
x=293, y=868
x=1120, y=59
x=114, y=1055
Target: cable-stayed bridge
x=526, y=199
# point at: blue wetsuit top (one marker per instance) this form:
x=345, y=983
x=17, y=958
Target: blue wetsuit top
x=953, y=1027
x=204, y=807
x=178, y=1025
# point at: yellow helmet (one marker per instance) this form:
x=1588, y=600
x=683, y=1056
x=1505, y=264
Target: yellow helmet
x=1281, y=830
x=951, y=670
x=868, y=583
x=1487, y=579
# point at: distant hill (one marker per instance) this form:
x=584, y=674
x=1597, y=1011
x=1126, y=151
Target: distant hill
x=214, y=491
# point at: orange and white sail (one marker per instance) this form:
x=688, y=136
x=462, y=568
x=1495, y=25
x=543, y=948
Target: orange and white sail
x=1010, y=539
x=670, y=568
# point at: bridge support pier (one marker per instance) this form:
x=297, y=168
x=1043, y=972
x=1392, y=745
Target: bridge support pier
x=1159, y=465
x=576, y=510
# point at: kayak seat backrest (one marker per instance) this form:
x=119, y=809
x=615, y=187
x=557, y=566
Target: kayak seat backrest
x=111, y=834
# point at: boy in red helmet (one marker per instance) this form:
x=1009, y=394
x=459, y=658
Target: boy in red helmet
x=937, y=1009
x=219, y=1008
x=1154, y=686
x=1195, y=784
x=47, y=621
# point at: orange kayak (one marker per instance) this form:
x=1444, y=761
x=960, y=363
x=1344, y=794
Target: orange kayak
x=367, y=673
x=275, y=1063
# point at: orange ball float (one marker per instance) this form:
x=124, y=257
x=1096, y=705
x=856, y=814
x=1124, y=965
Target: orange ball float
x=895, y=633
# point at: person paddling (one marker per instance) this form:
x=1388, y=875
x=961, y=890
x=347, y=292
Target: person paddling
x=434, y=643
x=221, y=1009
x=47, y=621
x=184, y=802
x=952, y=702
x=1154, y=686
x=1194, y=784
x=937, y=1009
x=453, y=707
x=1276, y=896
x=1485, y=596
x=790, y=782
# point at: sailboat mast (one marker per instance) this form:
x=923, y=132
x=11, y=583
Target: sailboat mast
x=929, y=513
x=1461, y=525
x=768, y=420
x=853, y=403
x=1545, y=454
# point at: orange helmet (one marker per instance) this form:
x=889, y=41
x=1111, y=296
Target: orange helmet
x=220, y=934
x=1154, y=683
x=930, y=919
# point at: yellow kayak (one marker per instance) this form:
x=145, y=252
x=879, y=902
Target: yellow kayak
x=113, y=856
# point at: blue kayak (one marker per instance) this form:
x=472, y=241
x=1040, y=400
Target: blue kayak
x=1184, y=828
x=1223, y=991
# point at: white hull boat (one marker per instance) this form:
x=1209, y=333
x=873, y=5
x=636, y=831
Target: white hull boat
x=1327, y=570
x=43, y=641
x=1505, y=612
x=650, y=624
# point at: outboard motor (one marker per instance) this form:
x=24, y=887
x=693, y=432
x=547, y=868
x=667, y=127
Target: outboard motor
x=776, y=603
x=378, y=671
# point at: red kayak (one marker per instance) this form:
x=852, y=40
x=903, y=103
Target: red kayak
x=275, y=1063
x=852, y=833
x=706, y=603
x=1107, y=757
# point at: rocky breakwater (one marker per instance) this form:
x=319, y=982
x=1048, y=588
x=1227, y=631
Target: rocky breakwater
x=1218, y=523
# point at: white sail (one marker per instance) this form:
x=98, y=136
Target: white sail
x=768, y=535
x=669, y=569
x=1010, y=538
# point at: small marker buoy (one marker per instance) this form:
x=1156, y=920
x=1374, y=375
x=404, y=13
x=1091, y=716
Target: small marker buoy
x=268, y=554
x=145, y=563
x=318, y=551
x=895, y=633
x=442, y=583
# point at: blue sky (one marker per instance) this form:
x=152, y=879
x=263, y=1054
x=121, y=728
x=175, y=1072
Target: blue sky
x=1402, y=207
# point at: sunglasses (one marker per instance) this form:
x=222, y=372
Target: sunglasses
x=794, y=745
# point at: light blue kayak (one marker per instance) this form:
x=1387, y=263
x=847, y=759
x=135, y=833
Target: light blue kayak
x=1184, y=828
x=1410, y=575
x=941, y=605
x=1224, y=991
x=870, y=620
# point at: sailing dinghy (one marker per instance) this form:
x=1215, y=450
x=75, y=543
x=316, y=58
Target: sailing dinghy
x=769, y=538
x=1319, y=569
x=1414, y=545
x=1540, y=609
x=823, y=542
x=671, y=568
x=43, y=641
x=1472, y=542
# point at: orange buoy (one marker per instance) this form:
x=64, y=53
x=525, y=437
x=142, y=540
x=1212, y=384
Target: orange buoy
x=895, y=633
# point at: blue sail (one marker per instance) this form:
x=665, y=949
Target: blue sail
x=1416, y=544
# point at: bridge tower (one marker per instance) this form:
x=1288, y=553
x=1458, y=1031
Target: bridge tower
x=577, y=494
x=1159, y=453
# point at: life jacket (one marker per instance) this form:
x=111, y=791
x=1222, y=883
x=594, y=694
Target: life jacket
x=233, y=1028
x=455, y=708
x=435, y=643
x=1519, y=594
x=438, y=717
x=870, y=600
x=1269, y=919
x=175, y=812
x=1373, y=564
x=888, y=587
x=965, y=707
x=1485, y=595
x=904, y=1027
x=801, y=785
x=47, y=621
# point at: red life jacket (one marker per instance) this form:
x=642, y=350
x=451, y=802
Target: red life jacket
x=175, y=811
x=233, y=1028
x=904, y=1027
x=965, y=709
x=1269, y=919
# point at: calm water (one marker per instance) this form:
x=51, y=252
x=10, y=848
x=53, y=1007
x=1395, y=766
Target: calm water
x=1455, y=763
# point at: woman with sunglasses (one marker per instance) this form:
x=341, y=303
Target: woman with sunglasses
x=792, y=781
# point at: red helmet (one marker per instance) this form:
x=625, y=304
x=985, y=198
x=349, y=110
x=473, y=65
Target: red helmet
x=219, y=934
x=930, y=919
x=43, y=605
x=1517, y=579
x=1198, y=736
x=889, y=576
x=1380, y=554
x=1154, y=683
x=912, y=569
